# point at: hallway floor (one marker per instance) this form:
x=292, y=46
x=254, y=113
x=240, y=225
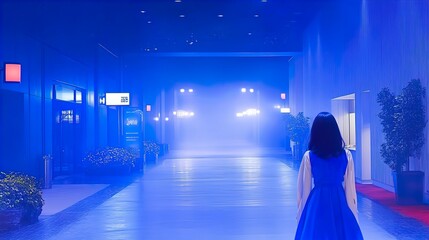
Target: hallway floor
x=237, y=195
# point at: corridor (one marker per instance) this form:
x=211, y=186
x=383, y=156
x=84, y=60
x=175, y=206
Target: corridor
x=245, y=194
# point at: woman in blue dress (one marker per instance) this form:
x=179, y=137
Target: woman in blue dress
x=327, y=210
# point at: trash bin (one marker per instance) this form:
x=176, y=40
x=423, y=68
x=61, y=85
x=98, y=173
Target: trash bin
x=48, y=171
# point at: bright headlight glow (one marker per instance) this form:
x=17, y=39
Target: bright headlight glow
x=183, y=114
x=249, y=112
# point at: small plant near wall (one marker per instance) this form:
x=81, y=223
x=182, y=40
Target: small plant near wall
x=298, y=128
x=47, y=158
x=20, y=199
x=151, y=148
x=403, y=119
x=151, y=151
x=109, y=160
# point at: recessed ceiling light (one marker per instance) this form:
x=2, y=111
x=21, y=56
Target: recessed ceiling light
x=182, y=15
x=149, y=22
x=178, y=1
x=264, y=0
x=256, y=15
x=249, y=33
x=220, y=15
x=142, y=11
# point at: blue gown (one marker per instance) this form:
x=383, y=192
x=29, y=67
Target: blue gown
x=326, y=214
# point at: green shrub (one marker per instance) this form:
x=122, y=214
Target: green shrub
x=20, y=191
x=403, y=118
x=109, y=157
x=151, y=147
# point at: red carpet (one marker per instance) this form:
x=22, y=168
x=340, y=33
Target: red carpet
x=386, y=198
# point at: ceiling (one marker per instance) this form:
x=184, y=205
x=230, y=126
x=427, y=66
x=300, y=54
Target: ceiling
x=225, y=25
x=141, y=26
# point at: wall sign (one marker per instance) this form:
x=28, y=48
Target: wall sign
x=117, y=99
x=132, y=125
x=12, y=72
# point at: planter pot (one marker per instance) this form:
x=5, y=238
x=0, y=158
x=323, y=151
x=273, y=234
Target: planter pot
x=30, y=215
x=297, y=152
x=150, y=158
x=10, y=219
x=409, y=187
x=163, y=149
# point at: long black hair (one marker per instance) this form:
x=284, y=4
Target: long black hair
x=325, y=136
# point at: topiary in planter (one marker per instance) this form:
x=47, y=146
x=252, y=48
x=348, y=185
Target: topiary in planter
x=298, y=128
x=21, y=192
x=403, y=119
x=109, y=160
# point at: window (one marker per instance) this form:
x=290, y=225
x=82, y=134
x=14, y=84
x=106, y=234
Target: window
x=68, y=94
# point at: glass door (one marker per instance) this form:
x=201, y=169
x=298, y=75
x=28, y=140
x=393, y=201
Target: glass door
x=67, y=133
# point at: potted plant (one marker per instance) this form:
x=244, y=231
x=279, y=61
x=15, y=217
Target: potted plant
x=298, y=128
x=109, y=160
x=20, y=200
x=151, y=151
x=403, y=119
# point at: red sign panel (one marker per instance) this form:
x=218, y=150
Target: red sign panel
x=12, y=72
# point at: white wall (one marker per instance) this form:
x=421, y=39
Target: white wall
x=358, y=47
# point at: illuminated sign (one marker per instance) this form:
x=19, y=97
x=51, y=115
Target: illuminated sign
x=285, y=110
x=131, y=122
x=117, y=99
x=12, y=72
x=132, y=126
x=102, y=100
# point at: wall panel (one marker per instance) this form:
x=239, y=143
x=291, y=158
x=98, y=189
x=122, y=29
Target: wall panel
x=359, y=47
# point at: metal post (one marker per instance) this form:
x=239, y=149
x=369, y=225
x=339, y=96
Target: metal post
x=48, y=171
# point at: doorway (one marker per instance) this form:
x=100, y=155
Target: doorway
x=68, y=140
x=356, y=132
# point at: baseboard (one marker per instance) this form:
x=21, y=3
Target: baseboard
x=384, y=186
x=358, y=180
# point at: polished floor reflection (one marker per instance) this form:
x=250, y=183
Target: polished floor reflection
x=237, y=195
